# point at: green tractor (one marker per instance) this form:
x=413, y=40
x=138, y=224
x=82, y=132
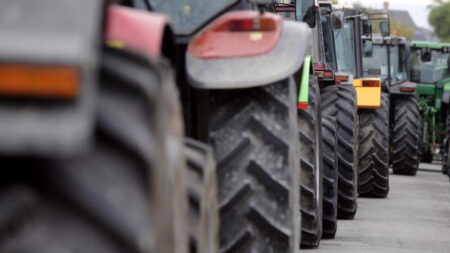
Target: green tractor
x=429, y=68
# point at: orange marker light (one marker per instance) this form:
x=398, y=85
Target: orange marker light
x=39, y=80
x=341, y=78
x=370, y=83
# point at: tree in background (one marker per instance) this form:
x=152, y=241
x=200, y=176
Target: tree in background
x=401, y=29
x=439, y=18
x=397, y=28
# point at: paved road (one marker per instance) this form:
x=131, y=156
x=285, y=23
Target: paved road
x=414, y=218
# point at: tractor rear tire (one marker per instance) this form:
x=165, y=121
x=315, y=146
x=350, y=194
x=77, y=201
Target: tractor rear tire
x=406, y=135
x=126, y=194
x=255, y=139
x=446, y=146
x=311, y=174
x=202, y=193
x=340, y=102
x=330, y=177
x=374, y=150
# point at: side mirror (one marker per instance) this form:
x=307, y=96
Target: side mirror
x=374, y=72
x=426, y=56
x=337, y=19
x=366, y=28
x=368, y=48
x=384, y=28
x=305, y=11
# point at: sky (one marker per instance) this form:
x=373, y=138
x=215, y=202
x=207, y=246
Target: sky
x=417, y=8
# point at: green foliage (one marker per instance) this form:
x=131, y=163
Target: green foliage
x=398, y=28
x=439, y=18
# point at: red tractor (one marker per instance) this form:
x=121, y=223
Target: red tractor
x=92, y=136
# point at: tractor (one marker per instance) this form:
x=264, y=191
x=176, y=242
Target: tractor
x=428, y=67
x=95, y=119
x=404, y=109
x=374, y=123
x=318, y=137
x=369, y=109
x=386, y=55
x=91, y=140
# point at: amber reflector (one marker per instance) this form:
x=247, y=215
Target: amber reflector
x=367, y=83
x=39, y=81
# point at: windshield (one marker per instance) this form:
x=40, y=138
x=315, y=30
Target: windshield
x=429, y=72
x=345, y=48
x=398, y=71
x=189, y=15
x=378, y=60
x=327, y=30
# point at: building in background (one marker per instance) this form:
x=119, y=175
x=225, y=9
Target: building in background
x=403, y=17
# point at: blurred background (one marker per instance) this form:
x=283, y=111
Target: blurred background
x=418, y=20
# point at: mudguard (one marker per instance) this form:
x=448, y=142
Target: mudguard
x=50, y=32
x=243, y=72
x=396, y=89
x=136, y=30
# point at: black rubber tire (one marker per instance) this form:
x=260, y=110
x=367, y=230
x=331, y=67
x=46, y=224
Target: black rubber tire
x=330, y=177
x=311, y=170
x=255, y=139
x=77, y=204
x=202, y=193
x=444, y=155
x=374, y=150
x=446, y=142
x=406, y=135
x=426, y=156
x=340, y=102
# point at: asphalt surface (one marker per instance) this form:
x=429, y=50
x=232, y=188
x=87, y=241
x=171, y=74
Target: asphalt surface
x=414, y=218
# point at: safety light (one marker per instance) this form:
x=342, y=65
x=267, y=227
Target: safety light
x=371, y=83
x=39, y=80
x=328, y=74
x=342, y=78
x=251, y=24
x=318, y=66
x=407, y=89
x=302, y=105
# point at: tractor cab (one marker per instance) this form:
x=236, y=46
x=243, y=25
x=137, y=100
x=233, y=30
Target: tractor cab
x=429, y=62
x=375, y=51
x=376, y=60
x=322, y=21
x=399, y=49
x=350, y=49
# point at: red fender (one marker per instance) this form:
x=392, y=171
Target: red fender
x=137, y=30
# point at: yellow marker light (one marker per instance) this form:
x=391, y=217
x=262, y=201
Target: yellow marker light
x=39, y=80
